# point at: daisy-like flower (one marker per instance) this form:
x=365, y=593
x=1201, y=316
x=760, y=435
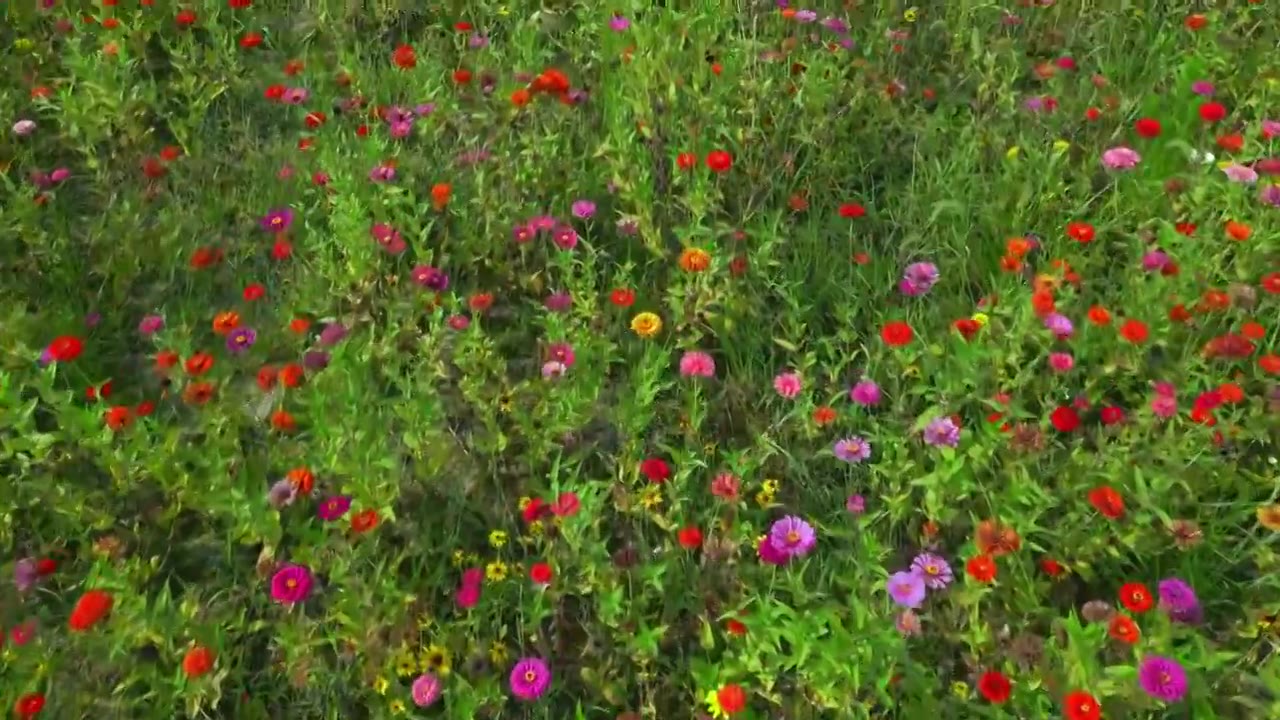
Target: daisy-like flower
x=935, y=571
x=792, y=536
x=853, y=449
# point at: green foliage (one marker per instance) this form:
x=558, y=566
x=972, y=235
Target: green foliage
x=453, y=419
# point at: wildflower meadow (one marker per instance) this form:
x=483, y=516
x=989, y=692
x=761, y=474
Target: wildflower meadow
x=630, y=360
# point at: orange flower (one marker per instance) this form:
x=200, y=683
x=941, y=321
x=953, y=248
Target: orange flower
x=301, y=479
x=1124, y=629
x=1017, y=248
x=694, y=260
x=364, y=521
x=291, y=375
x=199, y=363
x=1042, y=302
x=521, y=97
x=1253, y=330
x=1238, y=231
x=299, y=325
x=198, y=393
x=824, y=415
x=440, y=193
x=198, y=661
x=1099, y=316
x=981, y=568
x=995, y=539
x=92, y=607
x=225, y=322
x=283, y=421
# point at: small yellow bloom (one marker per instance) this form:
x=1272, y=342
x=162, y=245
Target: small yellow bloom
x=397, y=707
x=770, y=485
x=536, y=528
x=1012, y=153
x=1269, y=517
x=380, y=685
x=436, y=660
x=713, y=705
x=498, y=654
x=981, y=318
x=406, y=667
x=496, y=571
x=23, y=44
x=498, y=539
x=960, y=689
x=1060, y=146
x=911, y=14
x=459, y=557
x=646, y=324
x=524, y=502
x=651, y=497
x=764, y=498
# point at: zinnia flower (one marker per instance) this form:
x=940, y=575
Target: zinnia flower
x=1162, y=678
x=333, y=508
x=788, y=384
x=865, y=393
x=1121, y=158
x=291, y=584
x=853, y=449
x=935, y=571
x=907, y=589
x=530, y=678
x=942, y=431
x=696, y=363
x=792, y=536
x=425, y=690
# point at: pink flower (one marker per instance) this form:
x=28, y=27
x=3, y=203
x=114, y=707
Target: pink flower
x=725, y=486
x=770, y=554
x=1164, y=406
x=1061, y=362
x=788, y=384
x=1121, y=158
x=696, y=363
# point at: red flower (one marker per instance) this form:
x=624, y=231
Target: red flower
x=690, y=537
x=896, y=333
x=91, y=608
x=462, y=76
x=1080, y=705
x=686, y=161
x=732, y=699
x=254, y=291
x=541, y=573
x=994, y=686
x=65, y=348
x=824, y=415
x=1212, y=112
x=1147, y=127
x=1112, y=415
x=404, y=57
x=364, y=521
x=656, y=469
x=566, y=505
x=274, y=92
x=1136, y=597
x=118, y=417
x=29, y=705
x=1064, y=419
x=967, y=327
x=1107, y=501
x=250, y=40
x=1124, y=629
x=1051, y=567
x=46, y=566
x=981, y=568
x=623, y=297
x=1195, y=21
x=852, y=211
x=719, y=161
x=1081, y=232
x=536, y=510
x=198, y=661
x=1135, y=331
x=185, y=18
x=735, y=627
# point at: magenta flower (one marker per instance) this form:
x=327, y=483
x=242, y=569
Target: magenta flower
x=865, y=393
x=277, y=221
x=291, y=584
x=425, y=690
x=151, y=324
x=942, y=431
x=769, y=554
x=1162, y=678
x=333, y=508
x=530, y=678
x=695, y=363
x=792, y=537
x=583, y=209
x=1121, y=158
x=852, y=449
x=935, y=571
x=788, y=384
x=241, y=339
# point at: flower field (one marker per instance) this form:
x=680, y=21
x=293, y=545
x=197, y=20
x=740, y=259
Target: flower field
x=640, y=360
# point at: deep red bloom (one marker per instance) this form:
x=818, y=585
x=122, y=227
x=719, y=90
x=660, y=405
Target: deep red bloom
x=1212, y=112
x=686, y=161
x=541, y=573
x=65, y=348
x=1136, y=597
x=994, y=686
x=732, y=699
x=896, y=333
x=690, y=537
x=1080, y=705
x=1112, y=415
x=1051, y=567
x=1107, y=501
x=656, y=470
x=90, y=609
x=1064, y=419
x=719, y=161
x=852, y=211
x=254, y=291
x=1081, y=232
x=1147, y=127
x=29, y=705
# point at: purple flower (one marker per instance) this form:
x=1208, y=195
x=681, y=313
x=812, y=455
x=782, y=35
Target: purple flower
x=769, y=554
x=865, y=393
x=1178, y=599
x=282, y=494
x=561, y=352
x=792, y=536
x=1162, y=678
x=333, y=508
x=1270, y=195
x=583, y=209
x=935, y=571
x=241, y=339
x=558, y=301
x=836, y=25
x=424, y=109
x=291, y=584
x=1059, y=325
x=425, y=690
x=382, y=173
x=477, y=41
x=942, y=431
x=617, y=23
x=430, y=278
x=1203, y=88
x=552, y=369
x=530, y=678
x=852, y=449
x=277, y=221
x=24, y=127
x=315, y=359
x=907, y=589
x=332, y=334
x=855, y=504
x=151, y=324
x=918, y=279
x=25, y=574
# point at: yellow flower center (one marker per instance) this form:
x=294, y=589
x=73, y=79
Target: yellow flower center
x=931, y=569
x=530, y=676
x=793, y=537
x=291, y=583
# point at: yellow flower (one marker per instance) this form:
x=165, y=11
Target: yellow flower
x=646, y=324
x=497, y=539
x=713, y=705
x=459, y=557
x=911, y=14
x=524, y=502
x=496, y=571
x=764, y=498
x=959, y=689
x=436, y=660
x=380, y=685
x=505, y=403
x=770, y=486
x=1269, y=517
x=397, y=707
x=1060, y=146
x=1012, y=153
x=651, y=497
x=23, y=44
x=406, y=667
x=981, y=318
x=498, y=654
x=536, y=528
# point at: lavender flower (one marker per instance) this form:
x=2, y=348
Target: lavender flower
x=241, y=339
x=907, y=589
x=853, y=449
x=25, y=574
x=792, y=536
x=1178, y=599
x=942, y=431
x=583, y=209
x=935, y=571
